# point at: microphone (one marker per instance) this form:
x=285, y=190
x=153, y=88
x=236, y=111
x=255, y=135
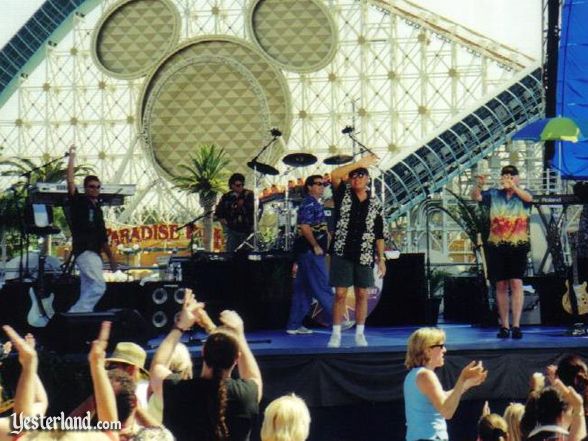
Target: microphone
x=347, y=129
x=275, y=132
x=66, y=154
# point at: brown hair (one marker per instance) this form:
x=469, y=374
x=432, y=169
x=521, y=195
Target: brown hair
x=220, y=353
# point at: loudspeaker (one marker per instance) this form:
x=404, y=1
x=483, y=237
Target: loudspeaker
x=71, y=332
x=161, y=303
x=404, y=299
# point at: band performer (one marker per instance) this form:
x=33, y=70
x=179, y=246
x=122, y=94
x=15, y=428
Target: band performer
x=310, y=247
x=235, y=212
x=507, y=245
x=88, y=236
x=359, y=236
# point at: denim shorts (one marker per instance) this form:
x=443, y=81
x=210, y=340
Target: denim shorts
x=345, y=273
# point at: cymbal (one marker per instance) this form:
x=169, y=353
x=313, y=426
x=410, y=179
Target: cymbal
x=299, y=159
x=262, y=168
x=338, y=159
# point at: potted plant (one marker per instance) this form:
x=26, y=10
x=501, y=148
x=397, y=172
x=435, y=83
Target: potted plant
x=206, y=176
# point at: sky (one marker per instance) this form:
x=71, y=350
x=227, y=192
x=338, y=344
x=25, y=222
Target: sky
x=514, y=23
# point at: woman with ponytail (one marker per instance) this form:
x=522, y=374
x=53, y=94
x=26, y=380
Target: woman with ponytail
x=213, y=406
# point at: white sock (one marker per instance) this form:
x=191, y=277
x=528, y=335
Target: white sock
x=359, y=329
x=337, y=329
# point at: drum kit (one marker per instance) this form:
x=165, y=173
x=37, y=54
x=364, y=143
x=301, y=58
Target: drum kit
x=275, y=229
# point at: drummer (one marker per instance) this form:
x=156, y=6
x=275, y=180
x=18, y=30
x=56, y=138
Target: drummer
x=235, y=212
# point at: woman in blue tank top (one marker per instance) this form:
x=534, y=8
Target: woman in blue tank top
x=426, y=404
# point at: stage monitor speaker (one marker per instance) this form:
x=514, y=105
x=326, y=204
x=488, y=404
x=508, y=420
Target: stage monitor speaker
x=403, y=300
x=72, y=332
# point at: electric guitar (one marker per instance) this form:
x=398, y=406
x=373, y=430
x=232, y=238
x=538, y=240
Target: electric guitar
x=41, y=304
x=575, y=299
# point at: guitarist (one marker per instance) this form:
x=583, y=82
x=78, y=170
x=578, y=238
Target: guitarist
x=508, y=244
x=88, y=236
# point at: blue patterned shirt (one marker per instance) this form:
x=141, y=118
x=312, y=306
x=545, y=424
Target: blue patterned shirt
x=311, y=213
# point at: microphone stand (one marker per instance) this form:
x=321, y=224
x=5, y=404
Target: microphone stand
x=363, y=148
x=23, y=233
x=253, y=164
x=192, y=222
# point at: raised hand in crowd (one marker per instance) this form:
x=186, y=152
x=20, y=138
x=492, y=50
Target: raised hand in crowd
x=106, y=409
x=537, y=382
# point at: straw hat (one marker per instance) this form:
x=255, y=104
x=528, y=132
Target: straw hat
x=129, y=353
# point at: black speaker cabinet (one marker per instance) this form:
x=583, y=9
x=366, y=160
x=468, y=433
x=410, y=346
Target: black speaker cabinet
x=74, y=332
x=403, y=300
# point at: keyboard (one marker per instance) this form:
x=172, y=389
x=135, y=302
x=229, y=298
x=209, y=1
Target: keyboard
x=50, y=193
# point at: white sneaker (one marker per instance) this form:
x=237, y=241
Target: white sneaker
x=300, y=331
x=360, y=340
x=334, y=341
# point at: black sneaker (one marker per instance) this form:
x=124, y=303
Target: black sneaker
x=503, y=333
x=517, y=334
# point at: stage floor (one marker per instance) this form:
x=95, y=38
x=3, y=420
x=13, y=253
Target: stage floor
x=460, y=337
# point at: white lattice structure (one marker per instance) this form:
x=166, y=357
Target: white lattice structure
x=398, y=74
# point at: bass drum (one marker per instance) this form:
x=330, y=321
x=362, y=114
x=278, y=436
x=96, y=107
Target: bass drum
x=322, y=318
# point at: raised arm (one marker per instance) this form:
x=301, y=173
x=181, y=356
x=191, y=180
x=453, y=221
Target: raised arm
x=191, y=313
x=71, y=175
x=476, y=193
x=24, y=398
x=248, y=368
x=340, y=173
x=106, y=409
x=446, y=402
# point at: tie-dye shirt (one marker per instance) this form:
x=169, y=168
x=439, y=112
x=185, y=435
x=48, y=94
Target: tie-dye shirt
x=509, y=219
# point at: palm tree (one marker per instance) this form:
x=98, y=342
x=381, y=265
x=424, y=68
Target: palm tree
x=206, y=175
x=12, y=202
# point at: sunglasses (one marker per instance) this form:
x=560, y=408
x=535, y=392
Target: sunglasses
x=322, y=184
x=240, y=184
x=96, y=186
x=357, y=175
x=440, y=346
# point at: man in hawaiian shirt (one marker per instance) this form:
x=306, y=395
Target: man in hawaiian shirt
x=508, y=244
x=359, y=236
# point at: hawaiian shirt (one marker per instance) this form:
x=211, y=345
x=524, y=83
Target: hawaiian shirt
x=509, y=219
x=311, y=213
x=358, y=225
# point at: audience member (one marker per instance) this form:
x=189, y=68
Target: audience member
x=556, y=414
x=426, y=404
x=513, y=415
x=179, y=365
x=492, y=427
x=212, y=406
x=286, y=419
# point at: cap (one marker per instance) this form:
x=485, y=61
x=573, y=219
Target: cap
x=509, y=170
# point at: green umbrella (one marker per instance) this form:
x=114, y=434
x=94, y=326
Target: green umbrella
x=554, y=129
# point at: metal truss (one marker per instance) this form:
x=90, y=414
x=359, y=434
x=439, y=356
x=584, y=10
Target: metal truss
x=400, y=73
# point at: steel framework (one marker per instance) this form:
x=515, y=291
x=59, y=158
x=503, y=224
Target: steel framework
x=400, y=74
